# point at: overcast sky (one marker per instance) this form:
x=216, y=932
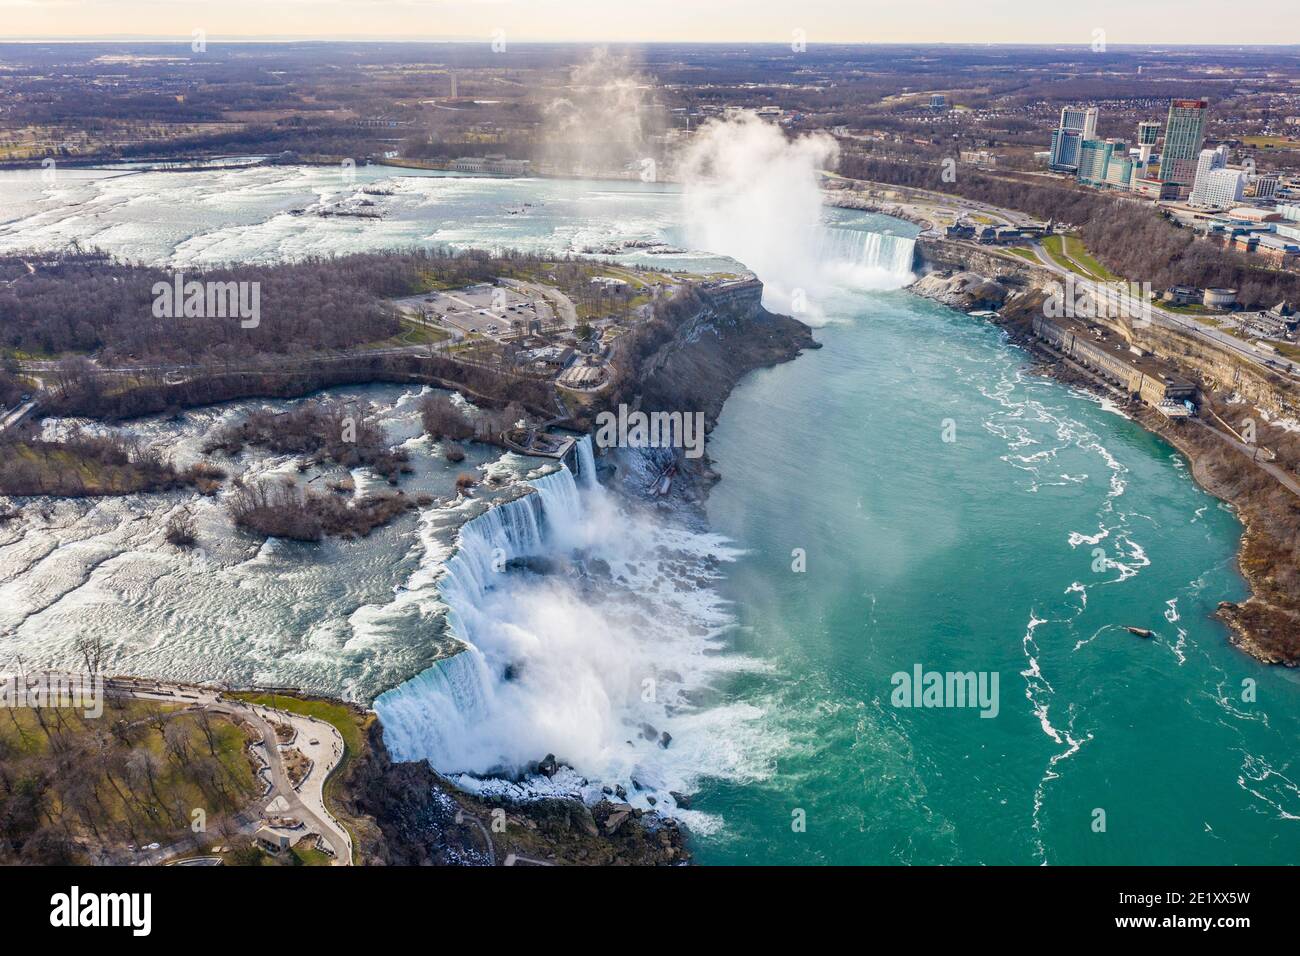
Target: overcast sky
x=826, y=21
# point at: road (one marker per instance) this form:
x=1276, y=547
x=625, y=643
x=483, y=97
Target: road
x=306, y=802
x=562, y=303
x=17, y=415
x=953, y=206
x=1286, y=479
x=1161, y=316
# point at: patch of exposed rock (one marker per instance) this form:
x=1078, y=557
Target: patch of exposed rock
x=967, y=291
x=410, y=816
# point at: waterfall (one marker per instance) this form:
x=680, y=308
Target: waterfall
x=425, y=716
x=569, y=606
x=586, y=463
x=888, y=253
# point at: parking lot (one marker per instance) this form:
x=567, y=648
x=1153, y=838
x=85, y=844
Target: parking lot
x=487, y=310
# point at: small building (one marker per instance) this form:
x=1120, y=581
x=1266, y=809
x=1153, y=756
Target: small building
x=556, y=356
x=1182, y=295
x=1155, y=188
x=960, y=230
x=1253, y=214
x=273, y=840
x=1277, y=250
x=584, y=375
x=1281, y=321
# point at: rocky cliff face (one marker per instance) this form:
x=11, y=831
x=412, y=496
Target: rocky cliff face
x=410, y=816
x=971, y=279
x=699, y=365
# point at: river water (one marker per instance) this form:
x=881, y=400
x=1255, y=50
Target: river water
x=909, y=495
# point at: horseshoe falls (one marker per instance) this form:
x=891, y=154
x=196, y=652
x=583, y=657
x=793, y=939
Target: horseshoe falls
x=886, y=255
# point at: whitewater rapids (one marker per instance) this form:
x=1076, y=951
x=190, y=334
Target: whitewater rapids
x=615, y=643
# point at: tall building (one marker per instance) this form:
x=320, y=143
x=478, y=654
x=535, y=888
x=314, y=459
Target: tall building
x=1208, y=161
x=1096, y=159
x=1184, y=136
x=1077, y=125
x=1219, y=188
x=1265, y=187
x=1216, y=184
x=938, y=101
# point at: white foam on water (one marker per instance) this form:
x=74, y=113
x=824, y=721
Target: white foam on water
x=593, y=663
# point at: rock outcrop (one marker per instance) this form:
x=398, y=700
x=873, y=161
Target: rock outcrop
x=405, y=814
x=967, y=291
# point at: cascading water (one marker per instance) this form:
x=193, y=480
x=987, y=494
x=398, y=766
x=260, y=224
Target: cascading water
x=587, y=634
x=424, y=717
x=586, y=464
x=890, y=254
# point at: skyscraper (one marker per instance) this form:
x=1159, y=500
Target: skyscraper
x=1077, y=124
x=1184, y=136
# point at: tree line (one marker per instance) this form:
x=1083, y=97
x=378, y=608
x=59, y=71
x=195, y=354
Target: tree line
x=1132, y=239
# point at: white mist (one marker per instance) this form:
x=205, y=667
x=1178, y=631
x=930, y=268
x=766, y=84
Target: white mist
x=753, y=194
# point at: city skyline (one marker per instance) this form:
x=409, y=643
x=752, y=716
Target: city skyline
x=1156, y=22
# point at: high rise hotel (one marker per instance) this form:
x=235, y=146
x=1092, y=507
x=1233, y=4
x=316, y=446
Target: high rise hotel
x=1184, y=136
x=1077, y=124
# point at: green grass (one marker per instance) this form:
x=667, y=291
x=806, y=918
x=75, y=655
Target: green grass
x=27, y=750
x=1193, y=310
x=1075, y=249
x=413, y=333
x=56, y=465
x=1069, y=253
x=346, y=721
x=307, y=855
x=1275, y=141
x=1023, y=253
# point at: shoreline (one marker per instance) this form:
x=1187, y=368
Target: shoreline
x=1258, y=626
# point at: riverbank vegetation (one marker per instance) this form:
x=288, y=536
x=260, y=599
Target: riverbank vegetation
x=283, y=510
x=336, y=432
x=77, y=789
x=1132, y=240
x=1268, y=624
x=84, y=464
x=445, y=421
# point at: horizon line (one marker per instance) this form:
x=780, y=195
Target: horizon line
x=387, y=38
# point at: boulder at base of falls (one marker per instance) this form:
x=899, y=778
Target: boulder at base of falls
x=967, y=291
